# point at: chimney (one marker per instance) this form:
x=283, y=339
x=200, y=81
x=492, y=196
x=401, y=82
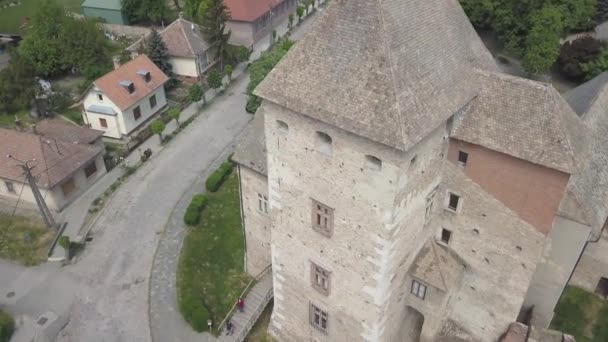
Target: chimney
x=116, y=61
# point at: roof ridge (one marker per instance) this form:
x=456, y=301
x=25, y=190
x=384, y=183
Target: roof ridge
x=391, y=67
x=571, y=149
x=186, y=36
x=597, y=94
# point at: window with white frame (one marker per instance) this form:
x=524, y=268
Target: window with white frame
x=320, y=278
x=263, y=203
x=418, y=289
x=318, y=318
x=453, y=202
x=322, y=218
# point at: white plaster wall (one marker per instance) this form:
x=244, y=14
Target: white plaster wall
x=183, y=66
x=593, y=264
x=256, y=222
x=241, y=32
x=128, y=120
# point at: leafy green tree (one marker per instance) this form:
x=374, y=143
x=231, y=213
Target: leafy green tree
x=157, y=127
x=228, y=72
x=214, y=79
x=157, y=52
x=542, y=43
x=576, y=53
x=300, y=13
x=597, y=66
x=17, y=84
x=196, y=93
x=213, y=23
x=174, y=114
x=290, y=19
x=145, y=10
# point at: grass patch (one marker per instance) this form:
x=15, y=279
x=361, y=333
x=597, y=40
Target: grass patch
x=7, y=327
x=259, y=332
x=582, y=315
x=8, y=120
x=210, y=274
x=10, y=18
x=24, y=240
x=74, y=114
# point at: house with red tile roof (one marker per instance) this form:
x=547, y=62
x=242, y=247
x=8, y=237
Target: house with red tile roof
x=66, y=159
x=251, y=20
x=189, y=53
x=126, y=98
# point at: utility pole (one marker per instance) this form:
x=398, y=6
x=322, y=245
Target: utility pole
x=44, y=210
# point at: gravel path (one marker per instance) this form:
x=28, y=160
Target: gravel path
x=112, y=299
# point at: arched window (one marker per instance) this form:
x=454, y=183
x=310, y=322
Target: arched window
x=373, y=163
x=324, y=143
x=282, y=127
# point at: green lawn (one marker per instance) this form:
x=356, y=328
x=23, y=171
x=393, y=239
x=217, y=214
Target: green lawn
x=75, y=115
x=24, y=240
x=10, y=18
x=8, y=120
x=210, y=275
x=582, y=315
x=259, y=332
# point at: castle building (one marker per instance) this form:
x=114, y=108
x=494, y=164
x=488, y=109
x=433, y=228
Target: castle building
x=403, y=188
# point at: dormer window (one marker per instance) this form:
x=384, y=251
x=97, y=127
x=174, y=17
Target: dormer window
x=145, y=74
x=128, y=85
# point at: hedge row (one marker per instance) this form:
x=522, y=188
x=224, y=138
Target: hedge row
x=7, y=327
x=193, y=214
x=216, y=179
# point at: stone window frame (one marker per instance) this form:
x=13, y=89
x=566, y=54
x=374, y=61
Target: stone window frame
x=320, y=214
x=447, y=203
x=10, y=187
x=320, y=273
x=263, y=204
x=445, y=236
x=418, y=289
x=319, y=318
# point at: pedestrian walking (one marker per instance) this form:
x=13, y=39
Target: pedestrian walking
x=241, y=304
x=229, y=328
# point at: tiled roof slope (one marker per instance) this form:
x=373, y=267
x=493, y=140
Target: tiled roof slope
x=524, y=119
x=54, y=160
x=437, y=266
x=59, y=129
x=590, y=185
x=388, y=70
x=249, y=10
x=251, y=149
x=182, y=38
x=583, y=97
x=109, y=83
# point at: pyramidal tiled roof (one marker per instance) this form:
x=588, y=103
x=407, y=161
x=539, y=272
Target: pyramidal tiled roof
x=390, y=70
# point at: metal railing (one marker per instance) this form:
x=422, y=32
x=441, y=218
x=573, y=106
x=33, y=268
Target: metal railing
x=256, y=313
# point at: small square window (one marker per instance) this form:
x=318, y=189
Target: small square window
x=418, y=289
x=10, y=187
x=137, y=113
x=446, y=235
x=463, y=157
x=453, y=202
x=318, y=318
x=320, y=278
x=103, y=123
x=263, y=203
x=322, y=218
x=100, y=97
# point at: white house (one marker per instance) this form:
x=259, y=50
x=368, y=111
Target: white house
x=65, y=160
x=125, y=98
x=189, y=53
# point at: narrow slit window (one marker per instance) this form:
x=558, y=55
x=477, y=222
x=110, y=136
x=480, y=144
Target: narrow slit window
x=446, y=235
x=324, y=143
x=453, y=202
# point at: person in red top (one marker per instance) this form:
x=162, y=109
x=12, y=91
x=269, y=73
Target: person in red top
x=241, y=304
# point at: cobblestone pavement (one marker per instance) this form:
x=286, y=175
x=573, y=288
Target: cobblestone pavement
x=112, y=300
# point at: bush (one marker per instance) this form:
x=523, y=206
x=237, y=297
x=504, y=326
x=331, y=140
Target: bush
x=573, y=54
x=192, y=215
x=7, y=327
x=216, y=179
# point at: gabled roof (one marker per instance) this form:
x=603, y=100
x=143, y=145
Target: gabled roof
x=584, y=96
x=110, y=83
x=251, y=149
x=183, y=39
x=104, y=4
x=435, y=265
x=388, y=70
x=54, y=160
x=70, y=133
x=249, y=10
x=524, y=119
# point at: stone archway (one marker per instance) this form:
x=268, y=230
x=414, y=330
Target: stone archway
x=412, y=325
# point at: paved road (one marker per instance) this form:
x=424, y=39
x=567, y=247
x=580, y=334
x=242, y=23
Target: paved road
x=112, y=300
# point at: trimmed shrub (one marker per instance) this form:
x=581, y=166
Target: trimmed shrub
x=216, y=179
x=192, y=216
x=7, y=327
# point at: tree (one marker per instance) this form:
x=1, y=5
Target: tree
x=542, y=43
x=213, y=23
x=17, y=84
x=174, y=114
x=300, y=13
x=196, y=92
x=145, y=10
x=157, y=127
x=214, y=79
x=576, y=53
x=290, y=19
x=597, y=66
x=158, y=53
x=228, y=72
